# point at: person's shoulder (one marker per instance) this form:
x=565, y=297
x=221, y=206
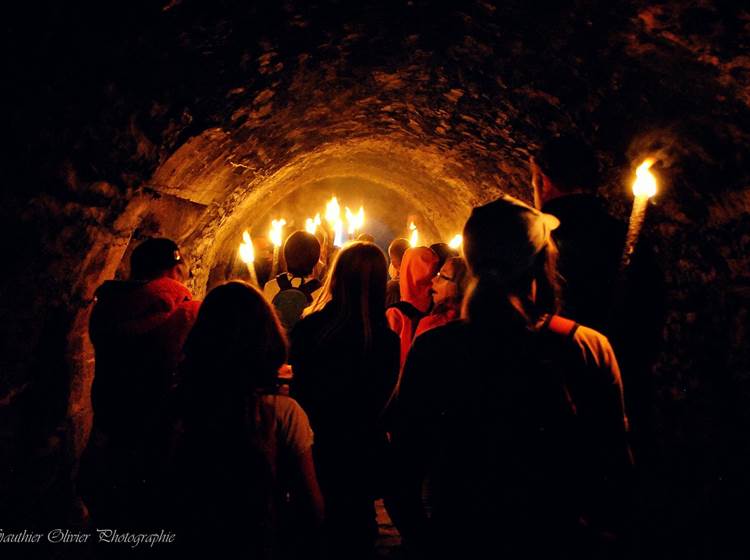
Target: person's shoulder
x=595, y=350
x=167, y=289
x=446, y=336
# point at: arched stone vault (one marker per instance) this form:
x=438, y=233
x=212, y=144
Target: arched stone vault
x=235, y=197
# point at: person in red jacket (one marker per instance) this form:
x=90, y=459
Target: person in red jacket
x=418, y=267
x=137, y=328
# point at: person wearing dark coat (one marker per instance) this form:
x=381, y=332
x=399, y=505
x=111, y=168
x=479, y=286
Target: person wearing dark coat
x=625, y=303
x=345, y=364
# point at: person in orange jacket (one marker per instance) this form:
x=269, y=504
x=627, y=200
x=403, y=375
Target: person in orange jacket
x=418, y=267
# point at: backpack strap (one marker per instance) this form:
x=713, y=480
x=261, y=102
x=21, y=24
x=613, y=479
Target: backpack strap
x=412, y=313
x=309, y=287
x=284, y=282
x=561, y=325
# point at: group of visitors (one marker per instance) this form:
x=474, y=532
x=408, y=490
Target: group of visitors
x=487, y=423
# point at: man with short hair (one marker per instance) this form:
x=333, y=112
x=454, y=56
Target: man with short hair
x=293, y=290
x=625, y=305
x=137, y=327
x=396, y=251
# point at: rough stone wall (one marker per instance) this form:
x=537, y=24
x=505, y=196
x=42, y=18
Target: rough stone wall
x=189, y=118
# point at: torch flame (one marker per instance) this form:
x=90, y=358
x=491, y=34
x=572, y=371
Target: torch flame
x=644, y=185
x=355, y=221
x=312, y=225
x=275, y=234
x=247, y=252
x=338, y=229
x=456, y=242
x=414, y=238
x=333, y=211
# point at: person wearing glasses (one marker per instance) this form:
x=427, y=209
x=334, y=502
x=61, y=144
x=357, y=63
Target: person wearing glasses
x=447, y=291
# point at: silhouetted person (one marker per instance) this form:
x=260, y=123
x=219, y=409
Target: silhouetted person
x=243, y=446
x=345, y=361
x=444, y=252
x=515, y=413
x=396, y=251
x=294, y=290
x=137, y=328
x=627, y=305
x=418, y=267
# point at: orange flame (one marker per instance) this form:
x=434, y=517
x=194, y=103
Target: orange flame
x=276, y=231
x=247, y=252
x=644, y=185
x=414, y=237
x=456, y=242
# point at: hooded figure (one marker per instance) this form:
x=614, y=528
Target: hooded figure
x=418, y=267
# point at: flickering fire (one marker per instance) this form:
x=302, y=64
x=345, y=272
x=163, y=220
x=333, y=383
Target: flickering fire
x=275, y=234
x=338, y=232
x=333, y=211
x=456, y=242
x=355, y=221
x=414, y=237
x=311, y=225
x=644, y=185
x=247, y=252
x=247, y=255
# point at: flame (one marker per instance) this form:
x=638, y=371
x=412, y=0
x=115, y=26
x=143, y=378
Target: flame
x=338, y=229
x=312, y=224
x=247, y=252
x=456, y=242
x=276, y=229
x=644, y=185
x=333, y=211
x=414, y=237
x=356, y=221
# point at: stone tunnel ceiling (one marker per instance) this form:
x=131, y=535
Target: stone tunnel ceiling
x=196, y=121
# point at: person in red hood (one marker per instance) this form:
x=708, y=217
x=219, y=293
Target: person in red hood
x=418, y=267
x=137, y=328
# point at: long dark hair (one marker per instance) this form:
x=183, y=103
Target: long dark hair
x=236, y=345
x=505, y=302
x=355, y=289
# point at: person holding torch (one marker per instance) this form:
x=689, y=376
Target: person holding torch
x=624, y=303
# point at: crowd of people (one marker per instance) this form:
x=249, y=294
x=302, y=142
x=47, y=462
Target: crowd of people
x=447, y=385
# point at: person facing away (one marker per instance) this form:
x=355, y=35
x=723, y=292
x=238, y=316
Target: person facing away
x=625, y=304
x=444, y=252
x=396, y=251
x=292, y=291
x=418, y=267
x=137, y=328
x=516, y=412
x=243, y=446
x=346, y=364
x=447, y=291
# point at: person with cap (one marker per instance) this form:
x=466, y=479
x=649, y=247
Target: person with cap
x=137, y=328
x=515, y=414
